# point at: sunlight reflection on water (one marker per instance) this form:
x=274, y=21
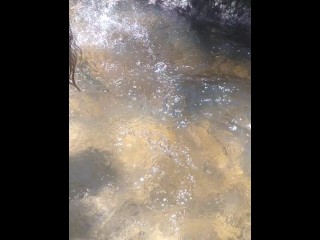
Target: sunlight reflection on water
x=160, y=136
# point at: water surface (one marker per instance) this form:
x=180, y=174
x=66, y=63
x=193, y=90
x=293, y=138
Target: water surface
x=160, y=135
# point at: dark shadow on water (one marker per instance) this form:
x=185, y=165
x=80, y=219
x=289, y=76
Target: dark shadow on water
x=89, y=171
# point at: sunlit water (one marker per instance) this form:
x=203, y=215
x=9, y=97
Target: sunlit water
x=160, y=135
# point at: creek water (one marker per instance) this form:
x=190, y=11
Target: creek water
x=160, y=134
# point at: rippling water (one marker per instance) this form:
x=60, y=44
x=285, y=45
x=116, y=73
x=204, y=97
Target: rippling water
x=160, y=135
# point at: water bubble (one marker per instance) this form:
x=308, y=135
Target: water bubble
x=233, y=128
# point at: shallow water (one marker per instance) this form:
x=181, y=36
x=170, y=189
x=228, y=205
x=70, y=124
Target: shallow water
x=160, y=135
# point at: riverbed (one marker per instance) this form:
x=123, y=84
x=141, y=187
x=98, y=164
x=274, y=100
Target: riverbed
x=160, y=134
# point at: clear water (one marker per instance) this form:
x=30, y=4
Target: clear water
x=160, y=135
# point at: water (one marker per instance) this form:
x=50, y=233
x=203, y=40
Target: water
x=160, y=135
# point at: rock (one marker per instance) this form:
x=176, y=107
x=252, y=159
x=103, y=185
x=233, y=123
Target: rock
x=242, y=71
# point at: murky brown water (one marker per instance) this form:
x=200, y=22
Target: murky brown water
x=160, y=136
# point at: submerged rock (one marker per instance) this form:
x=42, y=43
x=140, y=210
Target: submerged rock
x=234, y=15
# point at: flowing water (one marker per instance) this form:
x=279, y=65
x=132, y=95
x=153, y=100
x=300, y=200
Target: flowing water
x=160, y=135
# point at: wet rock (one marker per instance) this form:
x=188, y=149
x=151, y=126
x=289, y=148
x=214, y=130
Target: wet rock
x=210, y=148
x=224, y=229
x=225, y=66
x=140, y=144
x=195, y=228
x=242, y=71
